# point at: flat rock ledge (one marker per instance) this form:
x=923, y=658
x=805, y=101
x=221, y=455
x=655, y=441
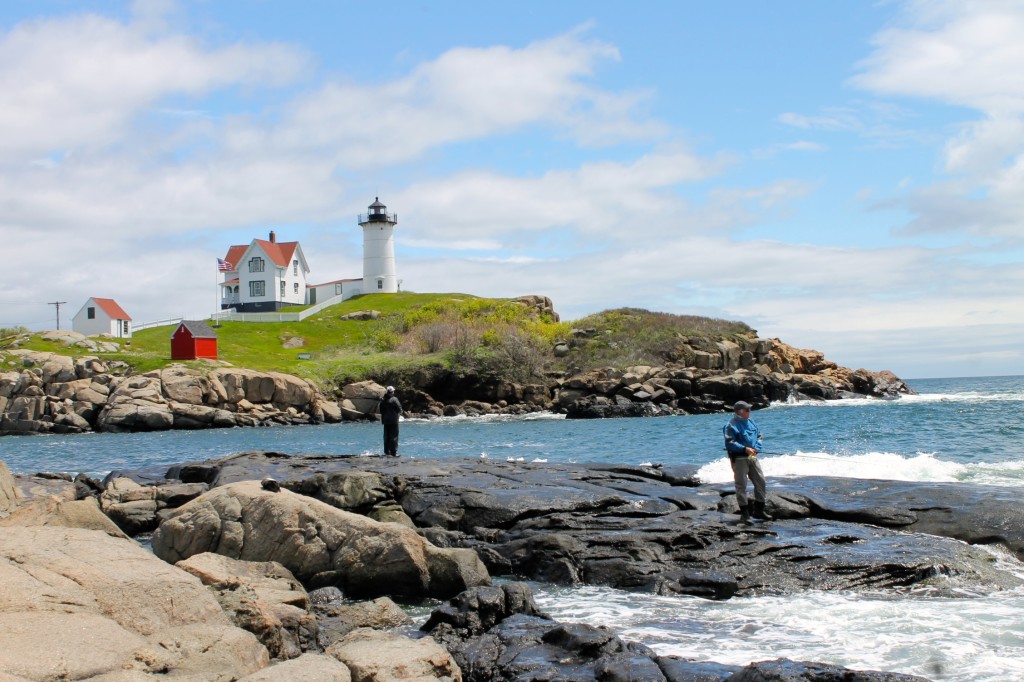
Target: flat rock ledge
x=653, y=529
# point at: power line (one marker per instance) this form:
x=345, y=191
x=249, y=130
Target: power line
x=57, y=304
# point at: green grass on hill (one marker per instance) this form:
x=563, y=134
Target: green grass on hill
x=499, y=337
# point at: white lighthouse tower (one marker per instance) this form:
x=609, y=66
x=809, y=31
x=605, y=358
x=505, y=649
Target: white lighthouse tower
x=379, y=249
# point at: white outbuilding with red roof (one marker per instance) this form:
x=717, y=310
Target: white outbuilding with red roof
x=103, y=316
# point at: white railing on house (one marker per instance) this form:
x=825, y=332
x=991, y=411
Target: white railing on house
x=233, y=316
x=157, y=323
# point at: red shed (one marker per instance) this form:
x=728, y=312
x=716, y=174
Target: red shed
x=193, y=339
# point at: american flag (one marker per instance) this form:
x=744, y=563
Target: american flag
x=224, y=266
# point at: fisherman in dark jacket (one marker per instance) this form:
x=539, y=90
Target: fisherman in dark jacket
x=743, y=443
x=390, y=411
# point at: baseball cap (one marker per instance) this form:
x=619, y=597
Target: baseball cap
x=741, y=405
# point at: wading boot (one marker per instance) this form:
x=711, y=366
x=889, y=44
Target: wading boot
x=760, y=513
x=745, y=515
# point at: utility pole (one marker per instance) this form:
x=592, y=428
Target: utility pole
x=57, y=304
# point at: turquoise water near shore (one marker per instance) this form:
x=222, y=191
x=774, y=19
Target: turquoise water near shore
x=966, y=430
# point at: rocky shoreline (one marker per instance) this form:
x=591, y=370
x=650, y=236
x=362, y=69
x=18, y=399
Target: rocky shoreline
x=43, y=392
x=291, y=578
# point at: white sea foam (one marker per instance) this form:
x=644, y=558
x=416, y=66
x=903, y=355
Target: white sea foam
x=963, y=397
x=923, y=467
x=955, y=639
x=489, y=418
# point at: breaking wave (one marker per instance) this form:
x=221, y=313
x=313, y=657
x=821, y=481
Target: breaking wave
x=923, y=467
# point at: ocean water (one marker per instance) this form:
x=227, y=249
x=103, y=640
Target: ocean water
x=966, y=430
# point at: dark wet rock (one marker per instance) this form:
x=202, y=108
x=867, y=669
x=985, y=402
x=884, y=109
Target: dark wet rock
x=599, y=407
x=86, y=486
x=783, y=670
x=475, y=611
x=655, y=529
x=524, y=647
x=681, y=670
x=325, y=595
x=497, y=633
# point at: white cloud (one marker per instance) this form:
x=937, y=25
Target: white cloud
x=970, y=55
x=464, y=94
x=832, y=119
x=965, y=53
x=602, y=198
x=79, y=81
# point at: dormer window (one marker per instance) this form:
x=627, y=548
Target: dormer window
x=255, y=264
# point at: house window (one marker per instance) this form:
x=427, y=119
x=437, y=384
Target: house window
x=337, y=289
x=296, y=287
x=295, y=267
x=255, y=264
x=380, y=284
x=257, y=288
x=124, y=327
x=283, y=285
x=90, y=313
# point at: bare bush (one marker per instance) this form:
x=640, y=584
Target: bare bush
x=519, y=356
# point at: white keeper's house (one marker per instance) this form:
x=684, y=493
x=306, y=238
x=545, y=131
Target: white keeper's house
x=267, y=275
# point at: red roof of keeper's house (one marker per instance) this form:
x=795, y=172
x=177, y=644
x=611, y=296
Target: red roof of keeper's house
x=110, y=307
x=235, y=254
x=280, y=252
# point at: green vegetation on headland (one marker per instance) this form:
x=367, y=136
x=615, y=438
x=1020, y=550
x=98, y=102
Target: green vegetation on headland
x=515, y=339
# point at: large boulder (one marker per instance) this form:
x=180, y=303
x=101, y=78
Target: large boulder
x=9, y=496
x=363, y=397
x=261, y=597
x=116, y=610
x=291, y=391
x=54, y=511
x=245, y=384
x=131, y=506
x=136, y=404
x=320, y=544
x=185, y=385
x=58, y=368
x=376, y=656
x=305, y=668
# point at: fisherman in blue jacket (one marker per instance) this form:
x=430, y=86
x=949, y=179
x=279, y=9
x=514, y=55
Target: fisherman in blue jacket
x=743, y=443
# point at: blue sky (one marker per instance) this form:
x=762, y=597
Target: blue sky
x=845, y=176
